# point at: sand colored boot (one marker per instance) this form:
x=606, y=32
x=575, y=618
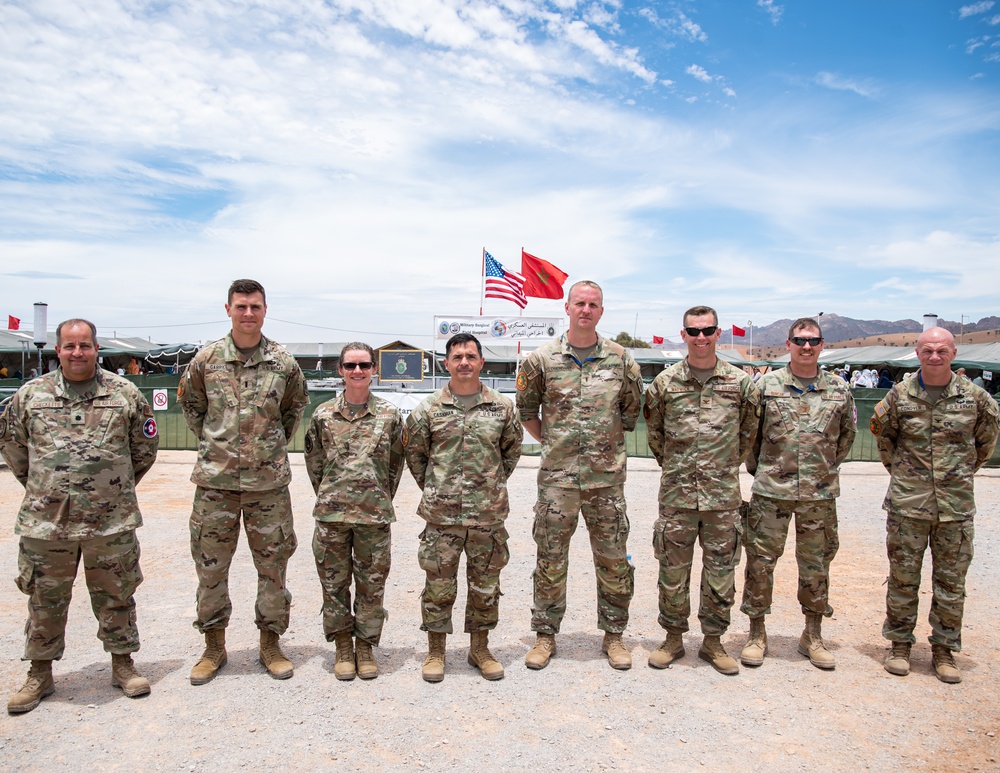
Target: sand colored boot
x=898, y=660
x=672, y=649
x=367, y=666
x=811, y=643
x=944, y=665
x=481, y=657
x=212, y=659
x=124, y=675
x=713, y=652
x=433, y=668
x=344, y=667
x=38, y=685
x=278, y=666
x=756, y=646
x=540, y=654
x=618, y=655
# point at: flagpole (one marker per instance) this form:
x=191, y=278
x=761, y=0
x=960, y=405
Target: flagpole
x=482, y=284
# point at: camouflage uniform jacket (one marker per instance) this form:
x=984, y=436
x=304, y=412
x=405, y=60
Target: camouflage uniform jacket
x=586, y=409
x=243, y=414
x=355, y=464
x=462, y=459
x=804, y=435
x=700, y=434
x=78, y=458
x=932, y=451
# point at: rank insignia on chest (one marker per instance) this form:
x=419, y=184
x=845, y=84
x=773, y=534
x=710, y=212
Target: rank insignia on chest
x=78, y=419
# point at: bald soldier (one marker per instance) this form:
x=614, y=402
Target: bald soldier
x=578, y=396
x=934, y=430
x=78, y=439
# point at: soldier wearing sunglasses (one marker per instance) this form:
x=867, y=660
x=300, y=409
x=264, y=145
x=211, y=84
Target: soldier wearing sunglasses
x=354, y=458
x=807, y=428
x=701, y=418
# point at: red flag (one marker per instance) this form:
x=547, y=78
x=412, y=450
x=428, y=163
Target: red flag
x=739, y=332
x=541, y=278
x=13, y=323
x=657, y=339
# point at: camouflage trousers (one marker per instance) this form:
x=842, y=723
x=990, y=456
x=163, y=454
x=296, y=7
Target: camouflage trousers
x=674, y=536
x=816, y=544
x=215, y=532
x=46, y=571
x=951, y=554
x=486, y=555
x=556, y=517
x=361, y=551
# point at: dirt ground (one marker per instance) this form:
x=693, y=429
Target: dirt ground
x=576, y=714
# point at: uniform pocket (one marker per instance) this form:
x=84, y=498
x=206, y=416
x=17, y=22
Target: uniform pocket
x=26, y=574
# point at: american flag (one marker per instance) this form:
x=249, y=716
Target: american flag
x=503, y=284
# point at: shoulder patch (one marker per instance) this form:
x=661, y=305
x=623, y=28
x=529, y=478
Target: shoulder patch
x=180, y=388
x=645, y=411
x=309, y=443
x=3, y=428
x=404, y=436
x=880, y=410
x=149, y=428
x=875, y=426
x=522, y=381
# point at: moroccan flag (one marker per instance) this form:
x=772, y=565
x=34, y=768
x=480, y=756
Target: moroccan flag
x=541, y=278
x=13, y=323
x=739, y=332
x=657, y=339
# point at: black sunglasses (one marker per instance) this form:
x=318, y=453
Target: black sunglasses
x=356, y=365
x=812, y=340
x=707, y=331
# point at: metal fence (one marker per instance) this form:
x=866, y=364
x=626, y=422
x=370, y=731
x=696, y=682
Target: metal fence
x=174, y=433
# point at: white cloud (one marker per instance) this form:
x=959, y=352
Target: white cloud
x=698, y=72
x=678, y=25
x=773, y=10
x=973, y=9
x=864, y=88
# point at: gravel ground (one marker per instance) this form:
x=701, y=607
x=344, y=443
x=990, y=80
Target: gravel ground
x=576, y=714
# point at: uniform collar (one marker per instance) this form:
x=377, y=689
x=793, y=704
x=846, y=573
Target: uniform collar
x=232, y=353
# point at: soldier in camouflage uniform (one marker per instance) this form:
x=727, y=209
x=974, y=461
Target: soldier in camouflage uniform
x=462, y=444
x=701, y=420
x=354, y=457
x=578, y=396
x=78, y=439
x=242, y=397
x=807, y=428
x=934, y=430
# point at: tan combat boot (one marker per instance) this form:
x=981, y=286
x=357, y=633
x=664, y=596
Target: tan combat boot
x=433, y=669
x=212, y=659
x=618, y=655
x=672, y=649
x=811, y=643
x=481, y=657
x=713, y=652
x=344, y=668
x=756, y=646
x=38, y=686
x=898, y=660
x=539, y=655
x=278, y=666
x=944, y=665
x=124, y=675
x=367, y=667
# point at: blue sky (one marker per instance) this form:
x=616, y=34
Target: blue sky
x=771, y=159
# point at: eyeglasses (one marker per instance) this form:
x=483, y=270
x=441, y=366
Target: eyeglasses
x=706, y=331
x=356, y=365
x=812, y=340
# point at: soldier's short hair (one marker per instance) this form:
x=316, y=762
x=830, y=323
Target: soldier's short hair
x=76, y=321
x=462, y=338
x=700, y=311
x=246, y=287
x=585, y=283
x=803, y=322
x=357, y=346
